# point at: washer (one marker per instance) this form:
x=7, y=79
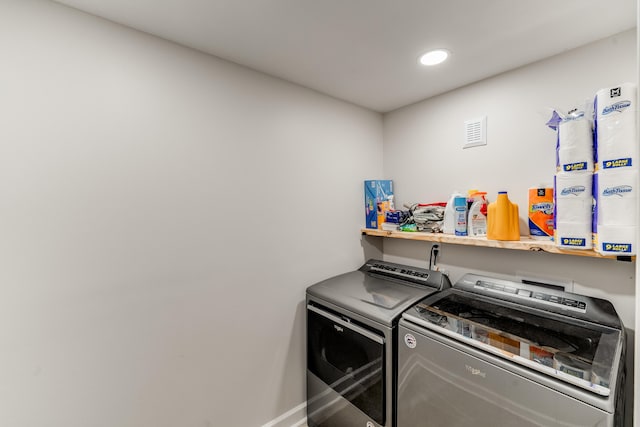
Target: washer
x=352, y=341
x=490, y=352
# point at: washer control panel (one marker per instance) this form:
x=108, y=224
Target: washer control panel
x=546, y=298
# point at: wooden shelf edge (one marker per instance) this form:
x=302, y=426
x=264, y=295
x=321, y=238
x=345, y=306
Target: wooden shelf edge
x=525, y=244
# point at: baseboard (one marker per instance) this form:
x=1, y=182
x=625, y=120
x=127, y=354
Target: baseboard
x=296, y=417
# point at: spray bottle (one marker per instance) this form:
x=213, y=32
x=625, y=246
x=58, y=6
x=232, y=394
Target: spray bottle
x=477, y=222
x=460, y=207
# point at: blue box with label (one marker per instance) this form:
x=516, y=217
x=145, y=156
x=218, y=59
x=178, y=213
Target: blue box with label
x=377, y=201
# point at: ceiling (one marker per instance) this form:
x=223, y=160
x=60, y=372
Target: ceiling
x=366, y=51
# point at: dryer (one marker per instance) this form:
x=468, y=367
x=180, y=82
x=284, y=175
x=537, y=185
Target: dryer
x=352, y=341
x=490, y=352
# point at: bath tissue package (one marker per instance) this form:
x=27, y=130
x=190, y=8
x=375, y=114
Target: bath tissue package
x=574, y=150
x=573, y=198
x=573, y=235
x=619, y=148
x=616, y=195
x=616, y=212
x=573, y=210
x=616, y=144
x=615, y=240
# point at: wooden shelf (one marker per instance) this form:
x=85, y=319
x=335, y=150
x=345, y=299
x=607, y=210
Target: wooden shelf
x=524, y=244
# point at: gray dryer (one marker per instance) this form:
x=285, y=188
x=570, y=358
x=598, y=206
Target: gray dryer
x=352, y=341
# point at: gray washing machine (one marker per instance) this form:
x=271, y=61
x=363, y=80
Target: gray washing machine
x=352, y=342
x=491, y=352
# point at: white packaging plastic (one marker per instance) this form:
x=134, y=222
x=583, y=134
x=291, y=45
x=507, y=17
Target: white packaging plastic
x=574, y=150
x=449, y=226
x=616, y=127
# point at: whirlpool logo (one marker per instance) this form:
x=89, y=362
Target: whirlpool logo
x=575, y=190
x=616, y=107
x=619, y=191
x=475, y=371
x=410, y=341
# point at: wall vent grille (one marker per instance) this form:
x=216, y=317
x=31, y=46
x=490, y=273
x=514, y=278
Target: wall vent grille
x=475, y=131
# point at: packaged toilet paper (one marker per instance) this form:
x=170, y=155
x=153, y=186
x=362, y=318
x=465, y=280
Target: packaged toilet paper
x=616, y=196
x=619, y=148
x=573, y=198
x=573, y=235
x=616, y=100
x=574, y=149
x=615, y=240
x=616, y=144
x=573, y=210
x=616, y=211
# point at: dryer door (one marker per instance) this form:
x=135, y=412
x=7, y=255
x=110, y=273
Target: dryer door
x=440, y=384
x=345, y=359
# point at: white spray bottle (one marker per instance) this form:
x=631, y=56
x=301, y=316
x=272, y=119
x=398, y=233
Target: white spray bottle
x=477, y=222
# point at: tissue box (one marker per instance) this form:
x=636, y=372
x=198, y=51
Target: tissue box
x=377, y=199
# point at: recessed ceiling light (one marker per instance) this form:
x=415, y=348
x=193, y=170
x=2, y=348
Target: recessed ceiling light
x=434, y=57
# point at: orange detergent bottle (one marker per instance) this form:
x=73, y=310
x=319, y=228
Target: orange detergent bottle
x=503, y=221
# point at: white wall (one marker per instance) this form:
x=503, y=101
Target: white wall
x=423, y=155
x=162, y=213
x=636, y=377
x=157, y=209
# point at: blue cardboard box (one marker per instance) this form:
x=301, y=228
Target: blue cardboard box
x=377, y=201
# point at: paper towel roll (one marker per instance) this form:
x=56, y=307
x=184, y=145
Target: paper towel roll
x=615, y=240
x=573, y=235
x=575, y=145
x=573, y=198
x=616, y=127
x=616, y=196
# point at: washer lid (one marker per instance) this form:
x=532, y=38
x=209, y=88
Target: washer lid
x=551, y=338
x=565, y=304
x=378, y=295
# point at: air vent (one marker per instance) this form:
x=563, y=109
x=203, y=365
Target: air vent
x=475, y=132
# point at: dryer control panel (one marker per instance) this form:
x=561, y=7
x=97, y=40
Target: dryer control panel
x=406, y=274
